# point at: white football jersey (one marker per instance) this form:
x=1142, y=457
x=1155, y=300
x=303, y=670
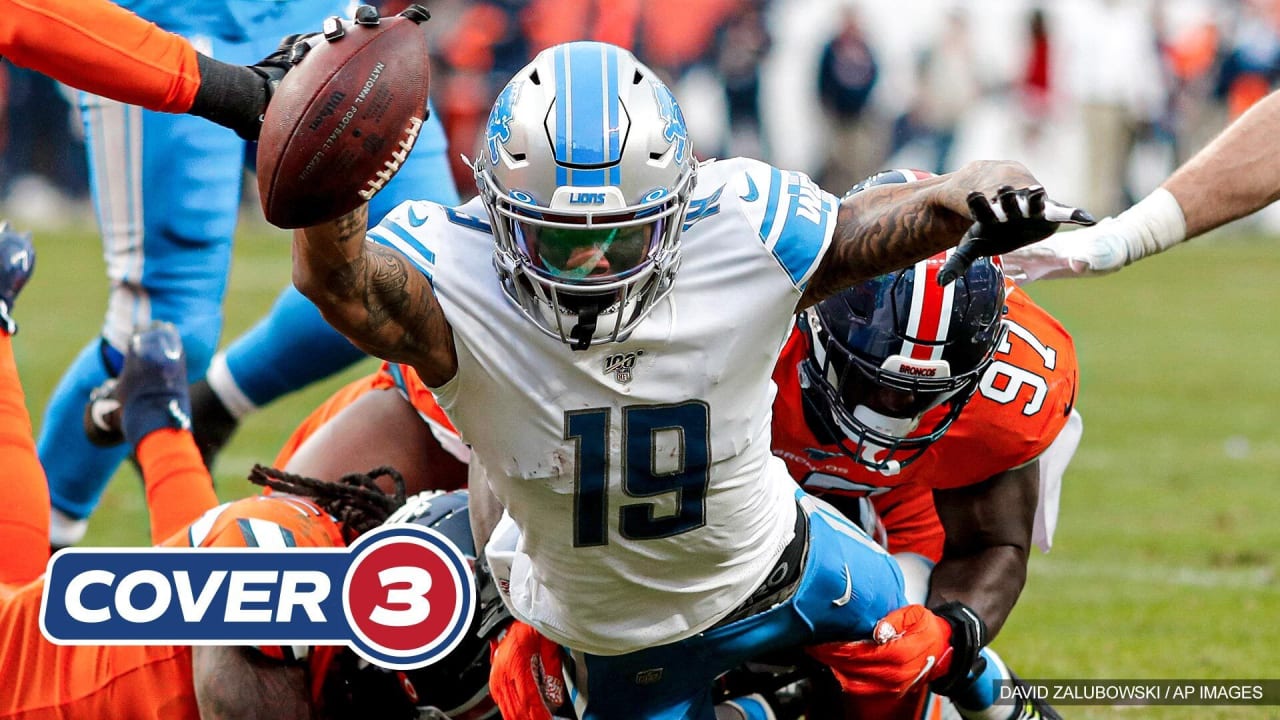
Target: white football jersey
x=638, y=473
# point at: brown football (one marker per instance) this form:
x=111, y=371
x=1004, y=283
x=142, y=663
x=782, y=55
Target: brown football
x=342, y=122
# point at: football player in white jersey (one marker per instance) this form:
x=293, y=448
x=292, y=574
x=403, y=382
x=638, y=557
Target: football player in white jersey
x=612, y=375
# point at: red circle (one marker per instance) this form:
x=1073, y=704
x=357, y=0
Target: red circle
x=367, y=592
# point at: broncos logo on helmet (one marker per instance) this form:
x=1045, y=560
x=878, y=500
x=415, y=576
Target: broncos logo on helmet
x=894, y=360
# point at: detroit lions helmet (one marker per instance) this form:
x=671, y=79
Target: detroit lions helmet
x=586, y=171
x=893, y=361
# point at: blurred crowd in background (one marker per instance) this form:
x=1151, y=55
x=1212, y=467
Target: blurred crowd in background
x=1101, y=98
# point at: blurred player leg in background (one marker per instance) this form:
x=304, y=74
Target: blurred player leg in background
x=167, y=191
x=293, y=346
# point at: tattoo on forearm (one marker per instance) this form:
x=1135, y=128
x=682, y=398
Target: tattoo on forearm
x=388, y=297
x=388, y=308
x=352, y=225
x=898, y=232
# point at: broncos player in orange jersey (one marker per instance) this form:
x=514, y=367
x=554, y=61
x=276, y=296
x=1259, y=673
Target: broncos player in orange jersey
x=949, y=410
x=43, y=680
x=98, y=46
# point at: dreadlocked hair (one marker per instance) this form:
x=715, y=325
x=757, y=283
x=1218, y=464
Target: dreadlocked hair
x=355, y=500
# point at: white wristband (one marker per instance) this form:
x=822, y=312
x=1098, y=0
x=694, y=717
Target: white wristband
x=1158, y=222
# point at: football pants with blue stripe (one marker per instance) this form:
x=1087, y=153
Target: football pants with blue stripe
x=848, y=583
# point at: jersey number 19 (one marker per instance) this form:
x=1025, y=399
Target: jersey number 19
x=686, y=474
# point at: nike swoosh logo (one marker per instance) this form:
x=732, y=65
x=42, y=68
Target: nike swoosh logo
x=752, y=193
x=848, y=590
x=99, y=411
x=414, y=220
x=927, y=667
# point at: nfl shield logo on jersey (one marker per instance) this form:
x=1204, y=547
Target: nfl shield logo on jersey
x=622, y=365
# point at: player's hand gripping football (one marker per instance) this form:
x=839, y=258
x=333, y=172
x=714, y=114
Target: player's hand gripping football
x=345, y=116
x=293, y=48
x=1014, y=217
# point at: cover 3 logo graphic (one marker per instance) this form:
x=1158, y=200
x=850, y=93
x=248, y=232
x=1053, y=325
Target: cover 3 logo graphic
x=402, y=596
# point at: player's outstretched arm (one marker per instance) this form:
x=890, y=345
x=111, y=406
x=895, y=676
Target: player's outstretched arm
x=97, y=46
x=993, y=206
x=1235, y=175
x=374, y=296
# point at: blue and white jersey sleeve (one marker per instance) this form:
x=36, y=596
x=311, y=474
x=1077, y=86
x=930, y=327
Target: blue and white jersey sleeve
x=791, y=215
x=413, y=229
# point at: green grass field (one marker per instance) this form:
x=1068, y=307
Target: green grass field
x=1165, y=559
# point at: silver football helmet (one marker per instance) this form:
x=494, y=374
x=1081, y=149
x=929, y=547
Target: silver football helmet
x=586, y=170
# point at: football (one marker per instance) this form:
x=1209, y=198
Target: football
x=342, y=122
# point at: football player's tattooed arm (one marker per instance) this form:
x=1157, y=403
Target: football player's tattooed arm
x=374, y=296
x=988, y=527
x=236, y=683
x=889, y=227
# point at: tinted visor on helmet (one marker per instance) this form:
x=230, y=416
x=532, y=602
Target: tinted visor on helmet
x=588, y=254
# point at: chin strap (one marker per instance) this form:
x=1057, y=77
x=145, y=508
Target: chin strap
x=582, y=333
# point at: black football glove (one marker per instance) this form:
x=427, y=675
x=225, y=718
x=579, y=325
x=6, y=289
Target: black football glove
x=968, y=636
x=236, y=96
x=1016, y=217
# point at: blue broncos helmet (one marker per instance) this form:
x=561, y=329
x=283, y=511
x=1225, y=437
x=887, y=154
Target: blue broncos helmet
x=893, y=361
x=586, y=170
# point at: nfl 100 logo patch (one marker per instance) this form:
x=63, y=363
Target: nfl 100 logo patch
x=402, y=596
x=622, y=365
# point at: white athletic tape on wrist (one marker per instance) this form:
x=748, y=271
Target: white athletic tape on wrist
x=1159, y=223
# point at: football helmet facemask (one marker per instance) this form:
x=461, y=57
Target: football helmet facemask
x=894, y=360
x=586, y=170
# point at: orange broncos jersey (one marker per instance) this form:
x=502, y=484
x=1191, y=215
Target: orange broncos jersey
x=1022, y=403
x=98, y=46
x=42, y=680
